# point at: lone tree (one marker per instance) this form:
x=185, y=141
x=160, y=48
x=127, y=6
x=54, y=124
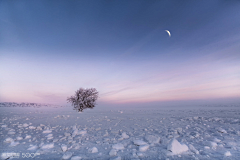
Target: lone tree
x=84, y=98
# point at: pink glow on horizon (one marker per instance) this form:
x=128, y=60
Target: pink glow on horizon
x=121, y=83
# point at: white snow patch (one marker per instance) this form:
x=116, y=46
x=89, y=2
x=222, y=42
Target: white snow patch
x=76, y=158
x=213, y=144
x=28, y=136
x=67, y=134
x=216, y=140
x=113, y=152
x=67, y=155
x=47, y=131
x=83, y=132
x=143, y=148
x=118, y=146
x=152, y=139
x=48, y=146
x=39, y=128
x=32, y=148
x=206, y=147
x=8, y=140
x=32, y=127
x=139, y=142
x=93, y=150
x=49, y=135
x=176, y=148
x=221, y=130
x=124, y=135
x=140, y=154
x=19, y=138
x=41, y=144
x=193, y=149
x=13, y=143
x=117, y=158
x=64, y=147
x=75, y=132
x=25, y=125
x=227, y=154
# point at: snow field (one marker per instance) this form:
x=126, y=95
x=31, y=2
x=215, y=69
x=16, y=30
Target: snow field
x=125, y=134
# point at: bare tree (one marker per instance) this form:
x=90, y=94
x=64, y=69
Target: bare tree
x=84, y=98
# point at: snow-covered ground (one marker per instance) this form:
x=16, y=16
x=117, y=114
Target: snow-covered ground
x=193, y=132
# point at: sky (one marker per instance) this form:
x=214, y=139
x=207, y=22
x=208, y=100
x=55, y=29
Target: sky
x=49, y=49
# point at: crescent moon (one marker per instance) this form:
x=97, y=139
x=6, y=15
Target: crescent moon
x=168, y=33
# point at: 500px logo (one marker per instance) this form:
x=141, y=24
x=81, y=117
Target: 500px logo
x=30, y=155
x=17, y=155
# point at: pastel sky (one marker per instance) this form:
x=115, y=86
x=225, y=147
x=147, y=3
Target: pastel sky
x=49, y=49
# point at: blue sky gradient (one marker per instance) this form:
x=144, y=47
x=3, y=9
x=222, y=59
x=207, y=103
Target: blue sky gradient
x=49, y=49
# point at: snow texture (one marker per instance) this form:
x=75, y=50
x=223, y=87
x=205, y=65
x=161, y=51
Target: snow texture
x=143, y=148
x=118, y=146
x=67, y=155
x=93, y=150
x=182, y=132
x=139, y=142
x=176, y=148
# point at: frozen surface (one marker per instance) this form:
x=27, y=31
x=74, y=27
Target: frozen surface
x=55, y=132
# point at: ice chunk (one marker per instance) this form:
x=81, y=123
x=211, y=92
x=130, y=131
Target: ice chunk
x=118, y=146
x=19, y=138
x=216, y=140
x=206, y=147
x=124, y=135
x=28, y=136
x=152, y=139
x=143, y=148
x=25, y=125
x=8, y=140
x=3, y=126
x=116, y=158
x=67, y=134
x=192, y=148
x=48, y=146
x=47, y=131
x=213, y=144
x=139, y=154
x=93, y=150
x=113, y=152
x=75, y=132
x=77, y=146
x=41, y=144
x=176, y=148
x=67, y=155
x=32, y=127
x=227, y=154
x=83, y=132
x=139, y=142
x=32, y=148
x=221, y=130
x=49, y=135
x=76, y=158
x=39, y=128
x=64, y=147
x=11, y=131
x=13, y=143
